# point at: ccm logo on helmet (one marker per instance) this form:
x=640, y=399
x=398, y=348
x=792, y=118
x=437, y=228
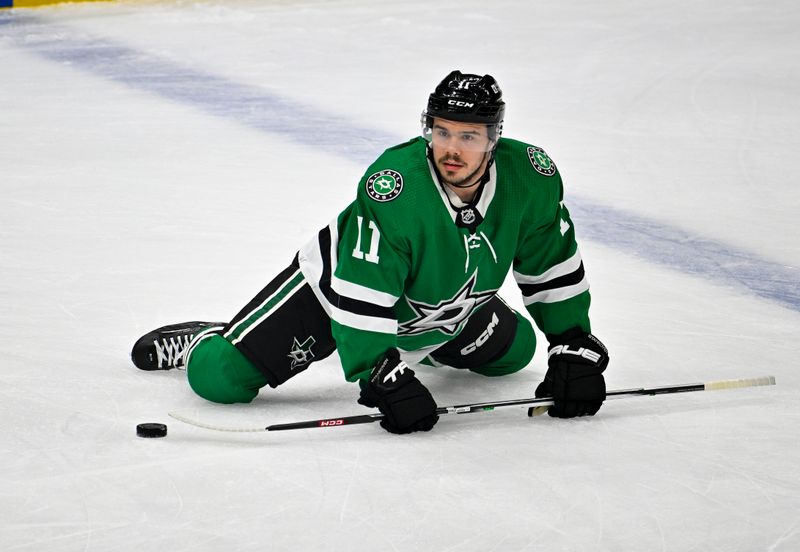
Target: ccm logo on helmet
x=483, y=338
x=581, y=352
x=460, y=103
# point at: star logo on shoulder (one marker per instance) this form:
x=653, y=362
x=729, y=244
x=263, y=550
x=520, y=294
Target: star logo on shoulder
x=448, y=315
x=384, y=185
x=541, y=161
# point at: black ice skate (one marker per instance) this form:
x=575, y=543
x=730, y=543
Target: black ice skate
x=163, y=348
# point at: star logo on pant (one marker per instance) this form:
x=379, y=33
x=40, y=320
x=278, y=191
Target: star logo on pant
x=301, y=352
x=449, y=315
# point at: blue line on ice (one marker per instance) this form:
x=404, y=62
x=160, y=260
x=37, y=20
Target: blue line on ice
x=308, y=126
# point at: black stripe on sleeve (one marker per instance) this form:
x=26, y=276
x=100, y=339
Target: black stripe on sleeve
x=571, y=279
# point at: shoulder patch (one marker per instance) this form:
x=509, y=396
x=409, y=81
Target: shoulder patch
x=541, y=161
x=384, y=185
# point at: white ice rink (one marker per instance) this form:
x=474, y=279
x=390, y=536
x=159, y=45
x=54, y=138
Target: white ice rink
x=160, y=161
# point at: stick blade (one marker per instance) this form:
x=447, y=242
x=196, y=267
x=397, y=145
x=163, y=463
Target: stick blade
x=185, y=420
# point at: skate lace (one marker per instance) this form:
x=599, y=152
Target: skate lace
x=169, y=351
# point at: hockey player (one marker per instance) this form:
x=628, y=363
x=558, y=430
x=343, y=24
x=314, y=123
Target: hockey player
x=409, y=272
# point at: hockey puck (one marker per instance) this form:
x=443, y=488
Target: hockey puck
x=151, y=430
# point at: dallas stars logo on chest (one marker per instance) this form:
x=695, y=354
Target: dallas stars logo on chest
x=448, y=315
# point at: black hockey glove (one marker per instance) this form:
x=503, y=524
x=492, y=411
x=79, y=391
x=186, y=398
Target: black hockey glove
x=406, y=404
x=574, y=378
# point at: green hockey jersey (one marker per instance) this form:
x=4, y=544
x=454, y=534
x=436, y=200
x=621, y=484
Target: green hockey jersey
x=398, y=269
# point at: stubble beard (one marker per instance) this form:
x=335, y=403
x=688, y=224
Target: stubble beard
x=459, y=183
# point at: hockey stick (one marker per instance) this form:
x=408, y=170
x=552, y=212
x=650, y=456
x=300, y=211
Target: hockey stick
x=482, y=407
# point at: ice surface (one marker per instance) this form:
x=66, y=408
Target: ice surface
x=161, y=160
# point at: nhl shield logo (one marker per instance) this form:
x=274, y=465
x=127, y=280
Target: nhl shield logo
x=467, y=216
x=384, y=185
x=541, y=161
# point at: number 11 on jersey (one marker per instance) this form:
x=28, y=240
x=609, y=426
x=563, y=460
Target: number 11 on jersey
x=372, y=255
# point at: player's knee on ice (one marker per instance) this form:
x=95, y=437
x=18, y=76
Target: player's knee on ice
x=219, y=372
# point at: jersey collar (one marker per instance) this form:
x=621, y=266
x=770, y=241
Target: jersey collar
x=454, y=204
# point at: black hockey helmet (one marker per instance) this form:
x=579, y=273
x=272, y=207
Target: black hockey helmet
x=467, y=98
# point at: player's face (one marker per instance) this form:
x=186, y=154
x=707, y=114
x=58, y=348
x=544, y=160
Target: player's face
x=461, y=151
